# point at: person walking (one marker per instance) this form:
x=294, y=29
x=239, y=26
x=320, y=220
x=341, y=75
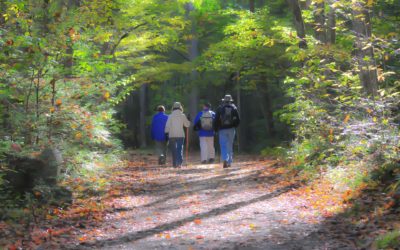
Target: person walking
x=204, y=124
x=226, y=121
x=158, y=134
x=175, y=129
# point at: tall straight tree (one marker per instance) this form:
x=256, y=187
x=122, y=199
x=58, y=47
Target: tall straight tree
x=193, y=51
x=319, y=17
x=364, y=47
x=331, y=23
x=298, y=22
x=142, y=117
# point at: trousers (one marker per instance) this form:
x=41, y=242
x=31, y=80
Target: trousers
x=207, y=150
x=176, y=147
x=226, y=137
x=161, y=148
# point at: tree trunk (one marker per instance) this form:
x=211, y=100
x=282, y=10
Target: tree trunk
x=252, y=6
x=238, y=102
x=193, y=50
x=298, y=22
x=142, y=118
x=69, y=51
x=2, y=7
x=364, y=48
x=319, y=17
x=331, y=24
x=264, y=99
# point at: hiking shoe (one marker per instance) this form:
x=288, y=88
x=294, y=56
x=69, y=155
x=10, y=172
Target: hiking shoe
x=226, y=165
x=161, y=160
x=203, y=162
x=211, y=161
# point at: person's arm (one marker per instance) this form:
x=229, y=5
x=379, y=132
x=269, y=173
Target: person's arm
x=196, y=123
x=236, y=114
x=216, y=120
x=167, y=126
x=186, y=122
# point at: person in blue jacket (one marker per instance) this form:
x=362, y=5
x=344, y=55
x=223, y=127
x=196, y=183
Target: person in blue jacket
x=204, y=124
x=158, y=135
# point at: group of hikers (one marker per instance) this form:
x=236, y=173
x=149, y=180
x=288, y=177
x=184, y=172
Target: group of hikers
x=169, y=131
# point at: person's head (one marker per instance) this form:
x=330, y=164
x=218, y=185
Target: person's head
x=227, y=99
x=176, y=106
x=206, y=106
x=160, y=108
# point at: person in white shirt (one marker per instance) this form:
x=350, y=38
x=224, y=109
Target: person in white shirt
x=176, y=122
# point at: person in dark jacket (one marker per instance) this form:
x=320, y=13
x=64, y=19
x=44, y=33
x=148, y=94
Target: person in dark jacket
x=204, y=124
x=226, y=121
x=158, y=135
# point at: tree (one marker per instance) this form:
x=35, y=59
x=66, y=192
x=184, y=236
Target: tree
x=364, y=48
x=298, y=22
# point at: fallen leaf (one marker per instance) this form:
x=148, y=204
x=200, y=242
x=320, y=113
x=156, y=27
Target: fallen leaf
x=197, y=221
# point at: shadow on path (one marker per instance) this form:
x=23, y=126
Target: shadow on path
x=175, y=224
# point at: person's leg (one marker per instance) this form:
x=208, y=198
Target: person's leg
x=231, y=137
x=157, y=145
x=210, y=149
x=223, y=140
x=162, y=159
x=179, y=151
x=159, y=151
x=203, y=149
x=172, y=147
x=164, y=150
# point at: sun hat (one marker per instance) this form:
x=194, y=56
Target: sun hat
x=160, y=108
x=177, y=105
x=227, y=98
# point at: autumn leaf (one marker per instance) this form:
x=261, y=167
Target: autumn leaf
x=12, y=247
x=346, y=119
x=78, y=135
x=106, y=95
x=83, y=238
x=197, y=221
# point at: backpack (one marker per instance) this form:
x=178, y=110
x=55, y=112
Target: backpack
x=206, y=120
x=227, y=116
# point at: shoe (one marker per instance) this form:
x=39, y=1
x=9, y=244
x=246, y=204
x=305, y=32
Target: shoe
x=226, y=165
x=161, y=160
x=203, y=162
x=211, y=161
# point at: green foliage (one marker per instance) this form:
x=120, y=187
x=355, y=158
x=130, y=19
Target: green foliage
x=390, y=240
x=276, y=152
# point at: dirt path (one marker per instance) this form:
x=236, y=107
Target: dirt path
x=248, y=206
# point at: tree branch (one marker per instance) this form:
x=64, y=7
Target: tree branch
x=125, y=36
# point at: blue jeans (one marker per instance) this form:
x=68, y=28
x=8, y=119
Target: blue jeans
x=226, y=137
x=176, y=147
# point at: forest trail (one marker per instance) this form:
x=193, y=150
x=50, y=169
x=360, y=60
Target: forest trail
x=252, y=205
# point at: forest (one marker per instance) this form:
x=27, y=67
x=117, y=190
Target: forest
x=316, y=154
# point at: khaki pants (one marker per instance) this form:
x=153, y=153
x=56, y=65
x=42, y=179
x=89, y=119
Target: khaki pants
x=207, y=150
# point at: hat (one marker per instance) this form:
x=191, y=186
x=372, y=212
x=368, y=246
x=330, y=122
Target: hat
x=177, y=105
x=160, y=108
x=227, y=98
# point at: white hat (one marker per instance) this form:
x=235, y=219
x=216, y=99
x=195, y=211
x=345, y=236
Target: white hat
x=177, y=105
x=227, y=98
